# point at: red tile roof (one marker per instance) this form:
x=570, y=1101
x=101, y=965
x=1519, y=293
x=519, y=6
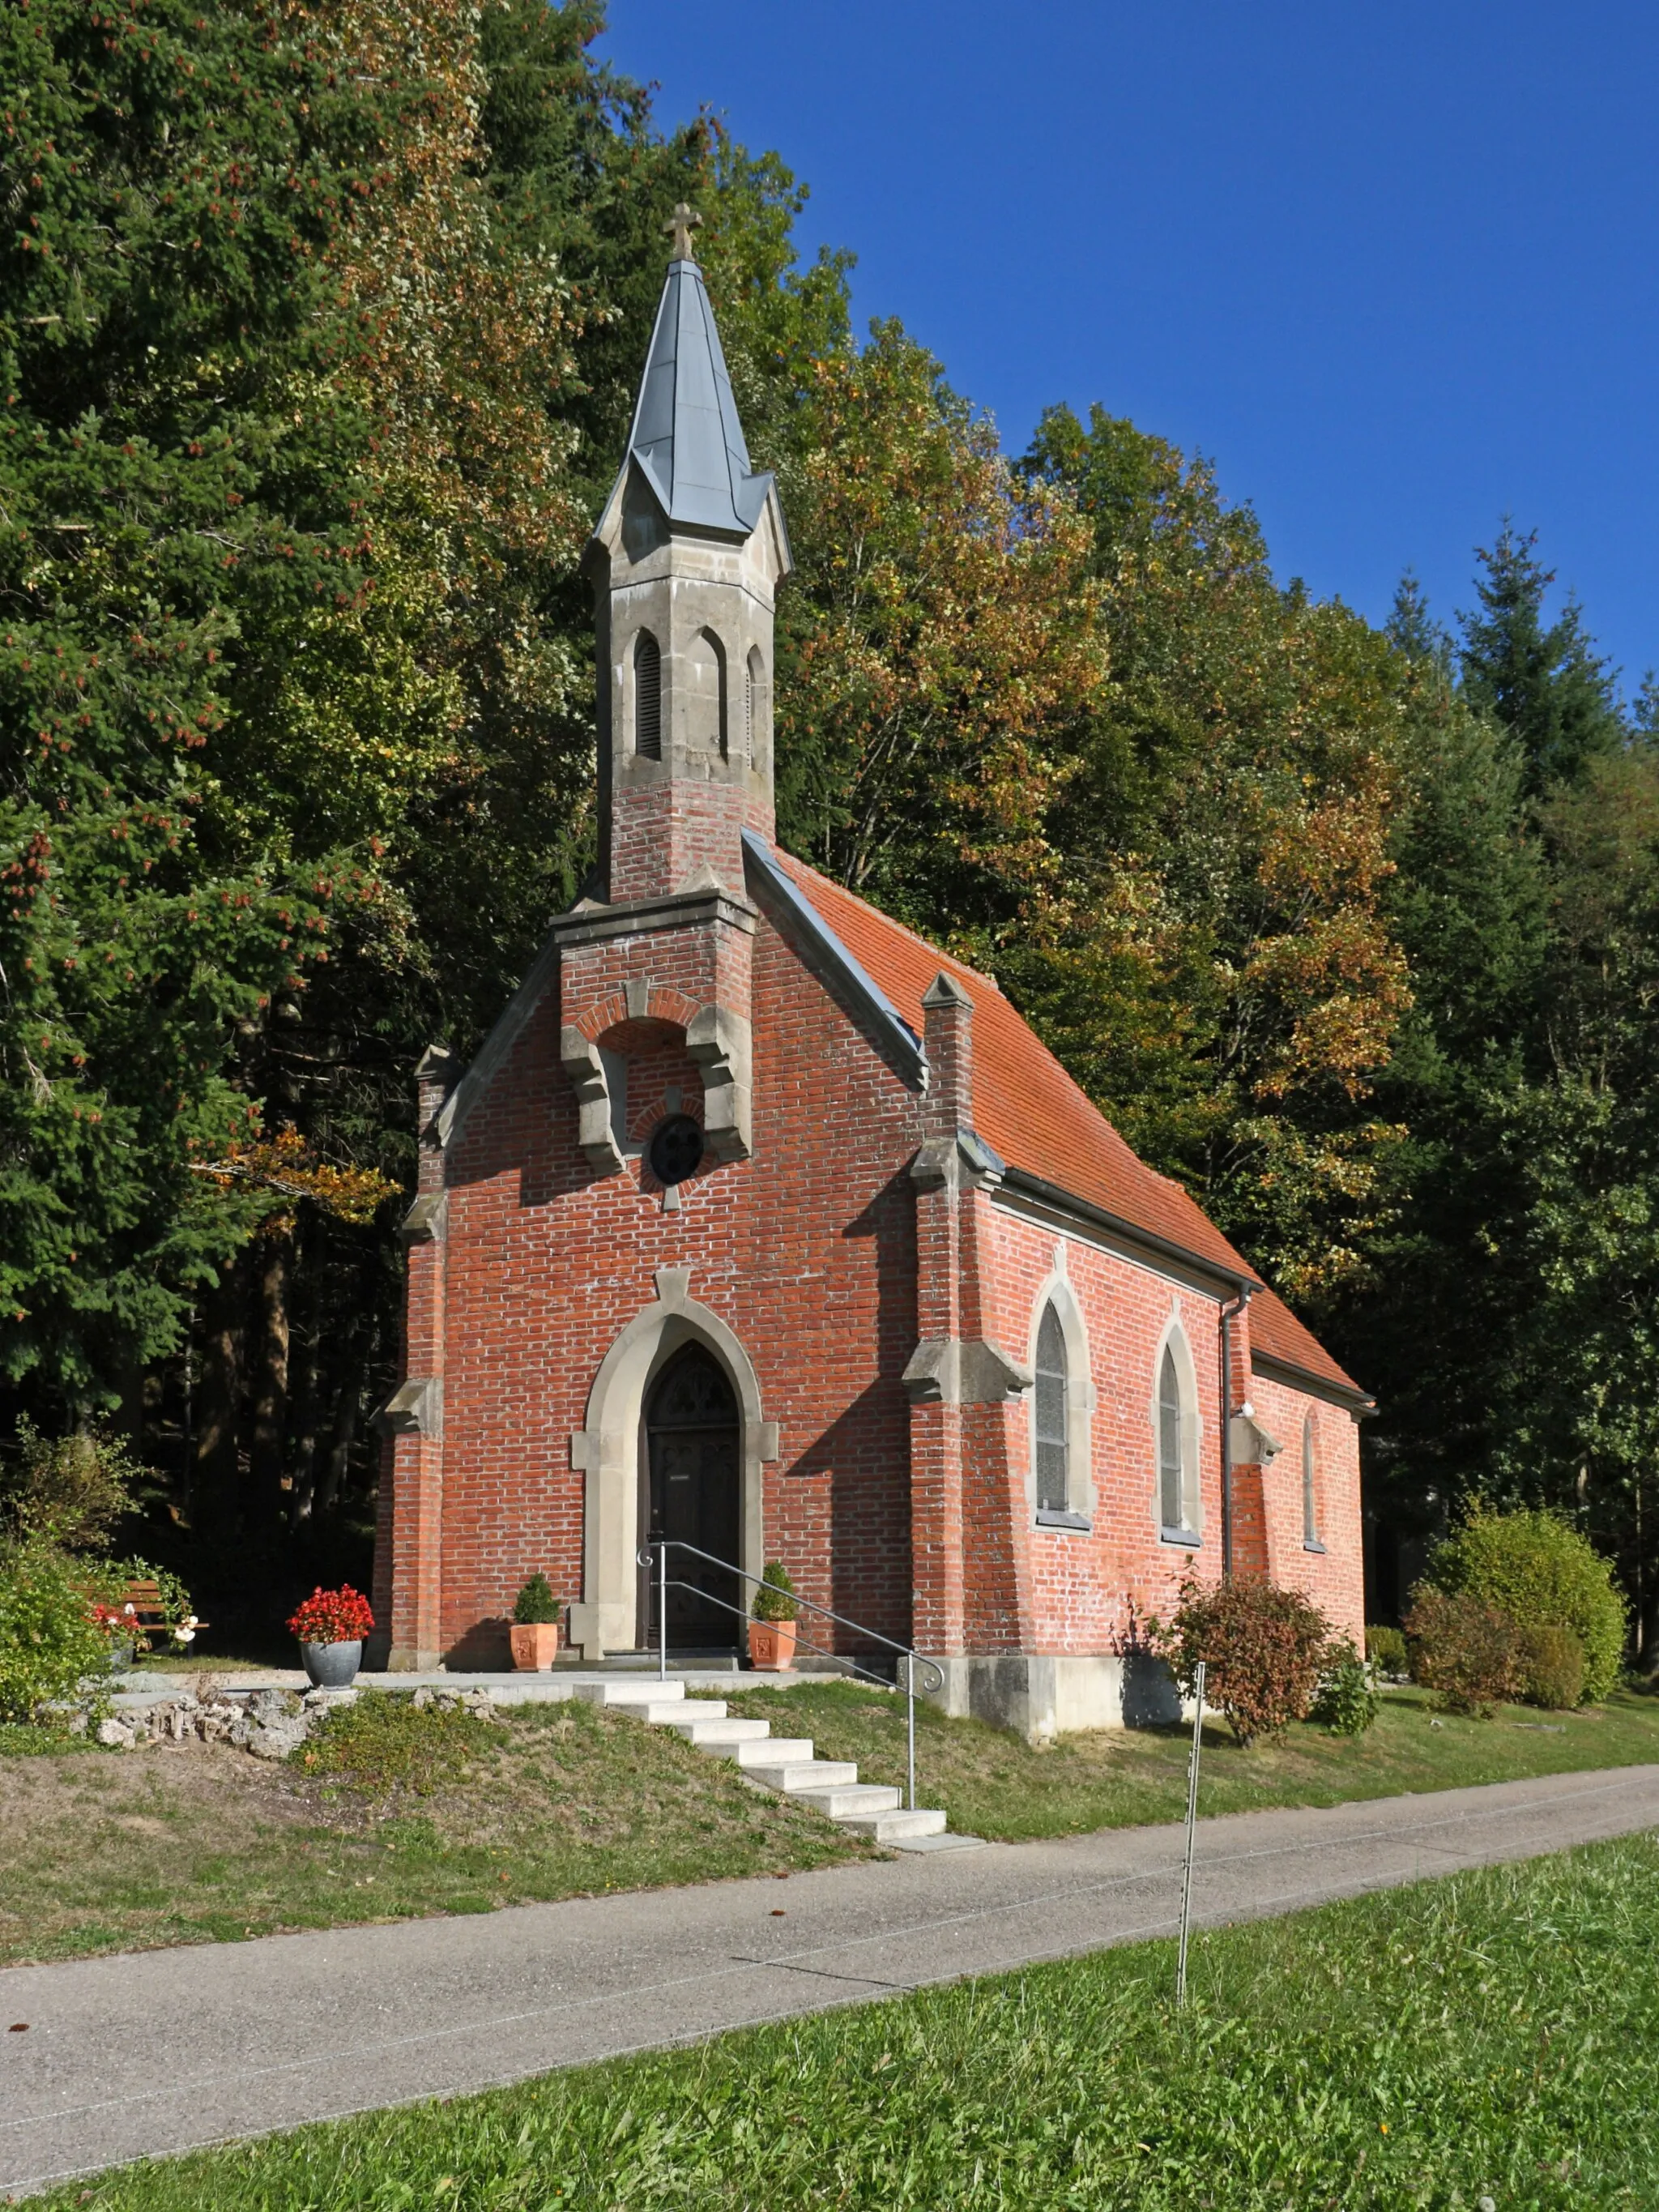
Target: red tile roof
x=1030, y=1110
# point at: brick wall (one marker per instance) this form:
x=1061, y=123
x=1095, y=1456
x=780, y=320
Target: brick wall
x=805, y=1251
x=1335, y=1578
x=1083, y=1588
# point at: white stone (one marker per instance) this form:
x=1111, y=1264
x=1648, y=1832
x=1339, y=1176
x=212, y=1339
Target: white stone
x=276, y=1738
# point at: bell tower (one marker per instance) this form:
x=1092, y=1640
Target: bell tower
x=684, y=561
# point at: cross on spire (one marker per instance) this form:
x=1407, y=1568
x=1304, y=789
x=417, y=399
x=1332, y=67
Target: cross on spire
x=681, y=224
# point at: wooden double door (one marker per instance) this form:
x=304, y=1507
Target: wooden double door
x=690, y=1495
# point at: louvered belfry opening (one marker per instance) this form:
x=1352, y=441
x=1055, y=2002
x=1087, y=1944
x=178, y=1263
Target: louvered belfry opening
x=647, y=696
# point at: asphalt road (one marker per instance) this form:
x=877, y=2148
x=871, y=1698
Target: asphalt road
x=157, y=2051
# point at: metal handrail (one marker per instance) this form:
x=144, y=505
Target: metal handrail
x=933, y=1673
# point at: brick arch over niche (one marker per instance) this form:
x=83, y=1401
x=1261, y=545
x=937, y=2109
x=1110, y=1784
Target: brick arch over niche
x=607, y=1451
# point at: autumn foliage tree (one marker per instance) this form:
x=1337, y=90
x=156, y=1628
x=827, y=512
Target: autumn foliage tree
x=1216, y=965
x=940, y=648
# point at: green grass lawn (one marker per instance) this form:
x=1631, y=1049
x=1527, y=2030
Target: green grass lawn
x=1484, y=2036
x=424, y=1812
x=992, y=1785
x=406, y=1812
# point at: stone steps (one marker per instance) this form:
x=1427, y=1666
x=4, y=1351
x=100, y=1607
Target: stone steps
x=788, y=1765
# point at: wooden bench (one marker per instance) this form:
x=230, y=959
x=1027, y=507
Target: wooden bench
x=149, y=1613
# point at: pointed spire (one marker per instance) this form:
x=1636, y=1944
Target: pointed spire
x=686, y=436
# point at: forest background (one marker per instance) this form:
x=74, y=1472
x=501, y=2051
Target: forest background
x=320, y=322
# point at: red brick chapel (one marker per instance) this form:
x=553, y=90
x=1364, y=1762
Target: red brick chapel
x=759, y=1221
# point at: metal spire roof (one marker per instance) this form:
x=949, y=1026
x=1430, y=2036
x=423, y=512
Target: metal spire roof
x=686, y=435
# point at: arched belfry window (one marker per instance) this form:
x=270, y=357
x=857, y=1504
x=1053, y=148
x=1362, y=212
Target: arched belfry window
x=1052, y=1431
x=1170, y=1455
x=703, y=675
x=647, y=696
x=1309, y=1486
x=754, y=677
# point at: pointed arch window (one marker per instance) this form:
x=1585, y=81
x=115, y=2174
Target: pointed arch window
x=647, y=696
x=1310, y=1538
x=706, y=729
x=1177, y=1434
x=1053, y=1426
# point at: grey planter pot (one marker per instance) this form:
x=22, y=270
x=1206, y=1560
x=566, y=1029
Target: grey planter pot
x=332, y=1666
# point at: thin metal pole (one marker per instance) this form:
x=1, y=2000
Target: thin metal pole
x=1192, y=1819
x=662, y=1612
x=910, y=1723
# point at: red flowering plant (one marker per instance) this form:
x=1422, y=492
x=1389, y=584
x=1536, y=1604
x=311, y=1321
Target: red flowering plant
x=338, y=1616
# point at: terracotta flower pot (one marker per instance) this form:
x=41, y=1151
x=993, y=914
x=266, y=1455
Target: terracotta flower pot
x=535, y=1644
x=771, y=1645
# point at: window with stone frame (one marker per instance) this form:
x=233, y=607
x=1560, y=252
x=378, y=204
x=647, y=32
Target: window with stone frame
x=1171, y=1444
x=1310, y=1484
x=1053, y=1420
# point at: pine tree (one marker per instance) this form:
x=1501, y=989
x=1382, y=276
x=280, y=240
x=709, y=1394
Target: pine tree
x=1412, y=628
x=1544, y=682
x=176, y=178
x=1432, y=1329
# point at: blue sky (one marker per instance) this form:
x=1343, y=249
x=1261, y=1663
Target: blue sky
x=1392, y=268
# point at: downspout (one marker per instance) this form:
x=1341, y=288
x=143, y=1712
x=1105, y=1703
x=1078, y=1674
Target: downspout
x=1228, y=1314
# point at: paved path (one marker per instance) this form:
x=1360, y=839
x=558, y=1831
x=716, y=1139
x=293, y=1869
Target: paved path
x=158, y=2051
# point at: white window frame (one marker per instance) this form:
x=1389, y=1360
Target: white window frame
x=1311, y=1539
x=1189, y=1530
x=1077, y=1515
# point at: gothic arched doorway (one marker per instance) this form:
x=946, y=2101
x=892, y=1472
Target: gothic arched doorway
x=690, y=1474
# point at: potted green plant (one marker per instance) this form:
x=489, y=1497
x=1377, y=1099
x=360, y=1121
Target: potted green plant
x=534, y=1634
x=330, y=1625
x=771, y=1631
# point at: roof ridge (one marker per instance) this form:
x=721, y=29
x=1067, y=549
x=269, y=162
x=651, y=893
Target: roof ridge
x=1029, y=1106
x=846, y=891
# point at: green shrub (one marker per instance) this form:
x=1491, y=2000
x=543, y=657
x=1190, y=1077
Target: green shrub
x=1262, y=1647
x=1536, y=1568
x=536, y=1605
x=49, y=1641
x=1386, y=1650
x=1346, y=1700
x=1464, y=1650
x=1552, y=1668
x=68, y=1491
x=775, y=1599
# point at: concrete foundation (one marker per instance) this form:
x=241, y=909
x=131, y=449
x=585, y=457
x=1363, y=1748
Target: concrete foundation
x=1042, y=1695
